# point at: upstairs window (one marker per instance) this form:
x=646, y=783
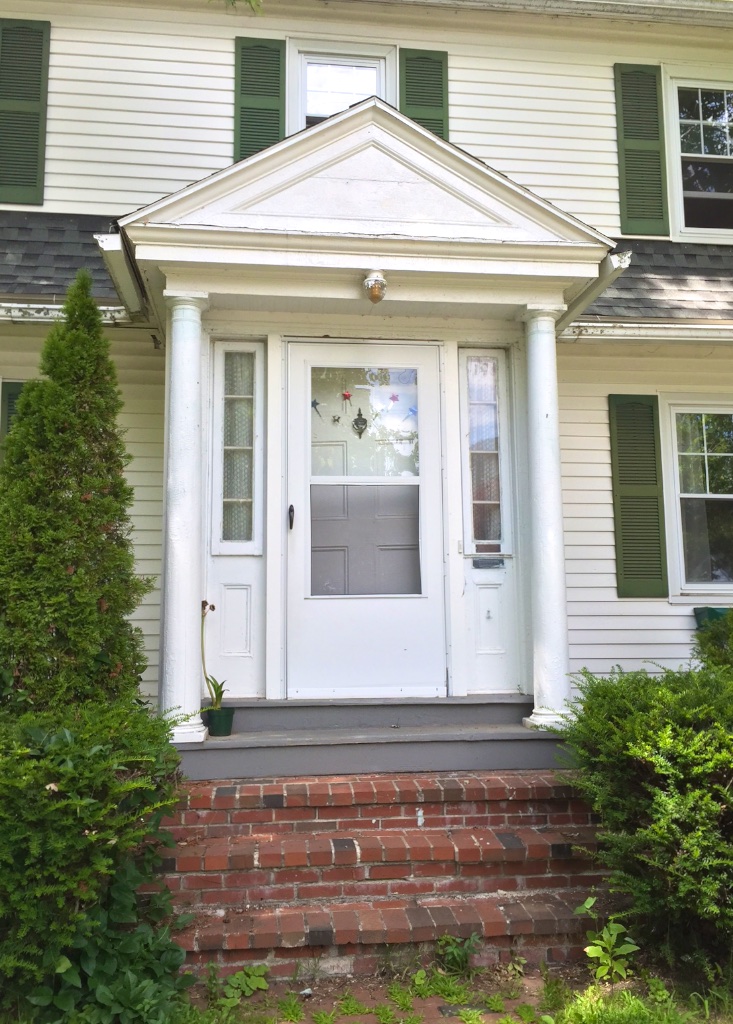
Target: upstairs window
x=283, y=86
x=24, y=47
x=706, y=155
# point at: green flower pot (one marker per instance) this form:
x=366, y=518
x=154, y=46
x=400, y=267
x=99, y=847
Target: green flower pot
x=219, y=721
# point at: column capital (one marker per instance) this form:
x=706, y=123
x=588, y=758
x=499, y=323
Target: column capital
x=538, y=311
x=175, y=299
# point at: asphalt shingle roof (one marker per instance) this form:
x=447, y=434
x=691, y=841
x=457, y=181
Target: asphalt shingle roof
x=669, y=281
x=40, y=254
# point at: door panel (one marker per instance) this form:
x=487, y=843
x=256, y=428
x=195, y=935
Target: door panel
x=365, y=553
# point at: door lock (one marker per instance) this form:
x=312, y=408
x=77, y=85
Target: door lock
x=291, y=515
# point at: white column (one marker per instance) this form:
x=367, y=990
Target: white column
x=547, y=565
x=181, y=676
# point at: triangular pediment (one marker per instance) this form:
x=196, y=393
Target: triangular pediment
x=368, y=172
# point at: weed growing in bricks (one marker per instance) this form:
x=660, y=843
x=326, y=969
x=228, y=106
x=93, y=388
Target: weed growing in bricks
x=469, y=1016
x=412, y=1018
x=243, y=985
x=526, y=1013
x=322, y=1017
x=290, y=1009
x=609, y=947
x=67, y=568
x=556, y=992
x=385, y=1014
x=494, y=1003
x=349, y=1006
x=454, y=953
x=401, y=997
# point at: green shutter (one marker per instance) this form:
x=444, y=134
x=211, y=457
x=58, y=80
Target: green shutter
x=23, y=88
x=9, y=394
x=640, y=131
x=260, y=95
x=424, y=89
x=638, y=500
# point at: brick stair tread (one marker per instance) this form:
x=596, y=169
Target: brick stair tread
x=375, y=790
x=391, y=846
x=386, y=921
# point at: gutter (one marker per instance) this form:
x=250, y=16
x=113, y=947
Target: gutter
x=50, y=312
x=611, y=267
x=123, y=274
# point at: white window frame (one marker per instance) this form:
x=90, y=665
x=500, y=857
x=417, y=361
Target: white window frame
x=255, y=545
x=505, y=476
x=301, y=51
x=675, y=78
x=681, y=592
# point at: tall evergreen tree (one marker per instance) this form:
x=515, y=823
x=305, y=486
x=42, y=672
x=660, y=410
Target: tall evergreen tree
x=67, y=573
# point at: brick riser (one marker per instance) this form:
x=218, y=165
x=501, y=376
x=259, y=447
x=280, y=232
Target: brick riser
x=278, y=870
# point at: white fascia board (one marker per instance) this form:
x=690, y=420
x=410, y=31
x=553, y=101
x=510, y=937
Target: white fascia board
x=672, y=332
x=39, y=312
x=715, y=13
x=119, y=269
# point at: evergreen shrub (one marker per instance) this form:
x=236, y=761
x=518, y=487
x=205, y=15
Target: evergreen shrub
x=67, y=571
x=654, y=755
x=82, y=796
x=713, y=643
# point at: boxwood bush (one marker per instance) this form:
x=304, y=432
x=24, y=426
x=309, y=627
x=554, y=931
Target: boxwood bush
x=654, y=754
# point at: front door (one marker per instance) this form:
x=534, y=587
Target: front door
x=365, y=531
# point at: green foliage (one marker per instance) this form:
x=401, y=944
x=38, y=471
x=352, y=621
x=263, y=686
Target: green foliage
x=454, y=953
x=215, y=688
x=609, y=946
x=322, y=1017
x=349, y=1006
x=713, y=643
x=242, y=985
x=494, y=1003
x=655, y=759
x=82, y=795
x=412, y=1018
x=289, y=1008
x=470, y=1016
x=556, y=992
x=526, y=1013
x=385, y=1014
x=67, y=572
x=401, y=997
x=621, y=1007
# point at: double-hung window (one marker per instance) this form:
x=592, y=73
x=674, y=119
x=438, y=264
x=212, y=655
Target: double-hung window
x=285, y=85
x=675, y=142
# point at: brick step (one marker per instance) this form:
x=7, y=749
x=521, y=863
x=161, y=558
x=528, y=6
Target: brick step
x=466, y=800
x=345, y=937
x=262, y=870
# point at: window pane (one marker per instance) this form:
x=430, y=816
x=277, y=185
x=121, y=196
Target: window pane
x=484, y=430
x=237, y=520
x=690, y=432
x=481, y=379
x=689, y=104
x=690, y=138
x=692, y=474
x=720, y=474
x=486, y=522
x=715, y=139
x=238, y=474
x=713, y=104
x=238, y=422
x=707, y=534
x=707, y=176
x=331, y=87
x=718, y=433
x=485, y=476
x=239, y=373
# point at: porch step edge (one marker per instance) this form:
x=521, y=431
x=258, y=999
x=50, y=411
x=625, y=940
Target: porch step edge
x=388, y=921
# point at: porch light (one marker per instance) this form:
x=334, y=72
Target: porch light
x=375, y=285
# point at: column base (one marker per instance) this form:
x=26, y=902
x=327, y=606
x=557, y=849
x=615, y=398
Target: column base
x=543, y=718
x=192, y=731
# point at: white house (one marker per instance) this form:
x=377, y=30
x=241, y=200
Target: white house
x=397, y=407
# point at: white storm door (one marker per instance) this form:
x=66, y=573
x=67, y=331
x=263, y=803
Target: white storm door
x=365, y=548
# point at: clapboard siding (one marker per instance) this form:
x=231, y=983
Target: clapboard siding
x=653, y=629
x=141, y=374
x=141, y=99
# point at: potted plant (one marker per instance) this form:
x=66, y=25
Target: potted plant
x=218, y=719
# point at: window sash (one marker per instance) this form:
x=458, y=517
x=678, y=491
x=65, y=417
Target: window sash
x=237, y=449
